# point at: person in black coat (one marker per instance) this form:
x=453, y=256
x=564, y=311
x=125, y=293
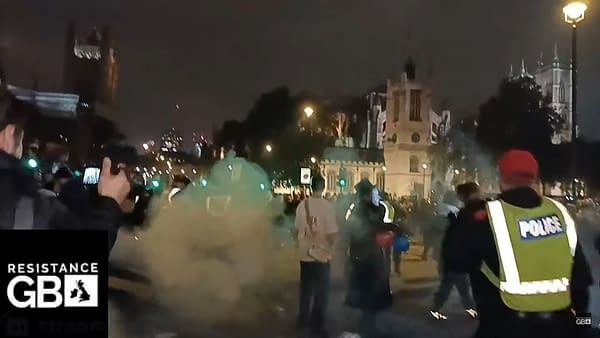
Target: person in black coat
x=468, y=194
x=369, y=285
x=19, y=191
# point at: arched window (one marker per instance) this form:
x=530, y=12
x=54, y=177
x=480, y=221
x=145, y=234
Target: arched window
x=562, y=94
x=331, y=180
x=414, y=164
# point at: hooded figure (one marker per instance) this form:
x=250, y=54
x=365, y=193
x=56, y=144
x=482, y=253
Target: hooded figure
x=368, y=287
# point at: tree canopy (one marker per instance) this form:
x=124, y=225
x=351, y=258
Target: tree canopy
x=519, y=116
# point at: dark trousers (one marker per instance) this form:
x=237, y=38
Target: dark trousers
x=314, y=288
x=397, y=256
x=449, y=280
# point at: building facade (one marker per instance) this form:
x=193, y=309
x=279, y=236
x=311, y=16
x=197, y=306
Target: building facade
x=359, y=164
x=407, y=139
x=555, y=81
x=90, y=66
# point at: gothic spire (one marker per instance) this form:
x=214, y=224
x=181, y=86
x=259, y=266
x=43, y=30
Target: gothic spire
x=541, y=60
x=556, y=59
x=511, y=73
x=523, y=68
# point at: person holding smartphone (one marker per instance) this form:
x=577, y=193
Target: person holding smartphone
x=21, y=204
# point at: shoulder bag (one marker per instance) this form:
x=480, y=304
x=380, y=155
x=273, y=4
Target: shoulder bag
x=315, y=251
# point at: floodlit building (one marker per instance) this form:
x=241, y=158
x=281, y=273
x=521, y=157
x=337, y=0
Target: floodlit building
x=555, y=81
x=90, y=66
x=408, y=134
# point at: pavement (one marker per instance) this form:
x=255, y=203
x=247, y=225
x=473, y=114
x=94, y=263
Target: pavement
x=270, y=311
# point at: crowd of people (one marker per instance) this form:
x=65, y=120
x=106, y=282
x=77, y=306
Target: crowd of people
x=515, y=260
x=519, y=253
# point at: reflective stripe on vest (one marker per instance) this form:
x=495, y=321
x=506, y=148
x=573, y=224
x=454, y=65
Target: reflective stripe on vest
x=349, y=211
x=513, y=284
x=571, y=232
x=388, y=217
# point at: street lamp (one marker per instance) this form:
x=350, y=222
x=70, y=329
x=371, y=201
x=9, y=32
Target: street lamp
x=308, y=111
x=268, y=148
x=424, y=166
x=313, y=160
x=145, y=145
x=574, y=14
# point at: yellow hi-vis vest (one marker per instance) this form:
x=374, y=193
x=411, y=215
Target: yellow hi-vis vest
x=535, y=250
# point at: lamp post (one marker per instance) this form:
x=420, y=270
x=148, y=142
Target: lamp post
x=574, y=13
x=424, y=166
x=269, y=148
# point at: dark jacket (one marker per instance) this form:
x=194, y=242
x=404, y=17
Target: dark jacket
x=49, y=213
x=369, y=286
x=473, y=242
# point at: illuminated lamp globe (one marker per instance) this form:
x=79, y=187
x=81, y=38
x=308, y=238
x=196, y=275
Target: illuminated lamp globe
x=575, y=12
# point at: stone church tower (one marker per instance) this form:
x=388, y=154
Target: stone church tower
x=408, y=135
x=555, y=80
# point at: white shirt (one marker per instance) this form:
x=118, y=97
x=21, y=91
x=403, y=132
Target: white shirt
x=323, y=213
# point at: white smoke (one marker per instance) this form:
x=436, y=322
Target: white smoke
x=209, y=269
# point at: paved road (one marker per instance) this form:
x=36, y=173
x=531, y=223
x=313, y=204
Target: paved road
x=276, y=307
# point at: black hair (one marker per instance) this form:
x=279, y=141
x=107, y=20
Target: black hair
x=317, y=183
x=467, y=189
x=13, y=111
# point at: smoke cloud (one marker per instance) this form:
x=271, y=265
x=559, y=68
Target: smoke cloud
x=210, y=252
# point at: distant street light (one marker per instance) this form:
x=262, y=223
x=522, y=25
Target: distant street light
x=268, y=148
x=456, y=172
x=313, y=160
x=308, y=111
x=145, y=145
x=384, y=168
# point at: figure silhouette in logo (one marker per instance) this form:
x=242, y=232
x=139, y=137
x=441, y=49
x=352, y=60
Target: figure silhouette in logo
x=81, y=291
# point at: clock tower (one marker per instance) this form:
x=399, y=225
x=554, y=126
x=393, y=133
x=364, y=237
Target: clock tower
x=408, y=135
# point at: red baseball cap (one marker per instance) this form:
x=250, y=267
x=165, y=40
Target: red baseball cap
x=518, y=166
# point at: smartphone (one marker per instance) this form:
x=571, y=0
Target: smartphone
x=91, y=176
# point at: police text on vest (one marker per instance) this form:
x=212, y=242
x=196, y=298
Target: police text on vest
x=540, y=227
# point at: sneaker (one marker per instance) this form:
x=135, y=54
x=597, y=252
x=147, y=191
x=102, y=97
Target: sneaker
x=438, y=315
x=472, y=313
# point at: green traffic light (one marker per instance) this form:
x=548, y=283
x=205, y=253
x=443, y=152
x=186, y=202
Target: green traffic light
x=262, y=186
x=31, y=163
x=204, y=182
x=155, y=183
x=342, y=183
x=77, y=173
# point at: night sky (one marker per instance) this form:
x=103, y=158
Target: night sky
x=214, y=58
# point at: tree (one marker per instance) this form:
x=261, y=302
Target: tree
x=518, y=117
x=340, y=125
x=273, y=120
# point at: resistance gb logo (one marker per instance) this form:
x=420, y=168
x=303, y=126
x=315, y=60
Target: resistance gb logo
x=53, y=285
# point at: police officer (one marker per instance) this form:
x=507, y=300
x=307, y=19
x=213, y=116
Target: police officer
x=528, y=272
